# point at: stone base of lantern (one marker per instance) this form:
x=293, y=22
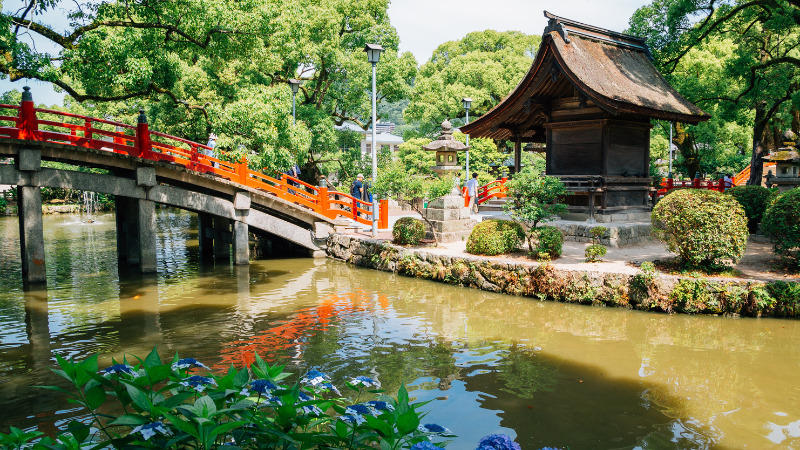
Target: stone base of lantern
x=450, y=219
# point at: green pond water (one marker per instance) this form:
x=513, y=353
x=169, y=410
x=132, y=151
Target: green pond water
x=545, y=373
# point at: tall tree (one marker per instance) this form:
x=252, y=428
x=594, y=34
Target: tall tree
x=484, y=66
x=765, y=64
x=202, y=66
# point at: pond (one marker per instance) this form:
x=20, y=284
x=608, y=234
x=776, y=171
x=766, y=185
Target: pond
x=547, y=374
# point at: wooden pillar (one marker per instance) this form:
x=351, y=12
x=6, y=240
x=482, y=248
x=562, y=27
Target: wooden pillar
x=31, y=234
x=517, y=155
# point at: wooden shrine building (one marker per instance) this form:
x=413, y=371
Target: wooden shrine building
x=590, y=95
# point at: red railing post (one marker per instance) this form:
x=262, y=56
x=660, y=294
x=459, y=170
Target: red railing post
x=142, y=147
x=670, y=184
x=503, y=186
x=322, y=201
x=721, y=185
x=195, y=158
x=88, y=133
x=27, y=124
x=383, y=215
x=696, y=181
x=241, y=170
x=465, y=193
x=355, y=208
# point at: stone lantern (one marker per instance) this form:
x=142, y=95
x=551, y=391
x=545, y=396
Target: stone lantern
x=787, y=163
x=446, y=149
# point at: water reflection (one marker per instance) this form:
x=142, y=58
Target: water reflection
x=550, y=374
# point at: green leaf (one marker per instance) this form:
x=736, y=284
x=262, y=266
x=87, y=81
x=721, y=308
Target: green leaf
x=153, y=359
x=342, y=429
x=95, y=397
x=79, y=430
x=379, y=425
x=225, y=427
x=158, y=373
x=130, y=420
x=183, y=425
x=407, y=422
x=241, y=378
x=205, y=406
x=57, y=389
x=138, y=397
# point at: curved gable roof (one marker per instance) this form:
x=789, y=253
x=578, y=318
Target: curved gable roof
x=613, y=70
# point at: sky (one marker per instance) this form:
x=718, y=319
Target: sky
x=423, y=25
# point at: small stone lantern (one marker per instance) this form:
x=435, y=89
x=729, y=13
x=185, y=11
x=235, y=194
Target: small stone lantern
x=787, y=163
x=446, y=149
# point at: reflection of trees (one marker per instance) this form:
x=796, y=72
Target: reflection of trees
x=524, y=374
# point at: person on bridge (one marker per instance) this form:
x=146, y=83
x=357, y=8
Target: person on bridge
x=728, y=180
x=293, y=171
x=472, y=191
x=357, y=189
x=212, y=142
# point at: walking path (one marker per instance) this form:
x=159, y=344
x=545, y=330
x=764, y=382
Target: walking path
x=759, y=262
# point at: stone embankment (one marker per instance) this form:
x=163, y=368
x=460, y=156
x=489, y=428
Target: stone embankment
x=645, y=289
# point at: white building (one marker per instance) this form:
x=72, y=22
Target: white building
x=383, y=137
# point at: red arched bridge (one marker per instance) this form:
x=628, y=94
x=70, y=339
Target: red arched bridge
x=146, y=167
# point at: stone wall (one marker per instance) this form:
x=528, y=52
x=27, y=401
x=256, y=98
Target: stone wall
x=646, y=290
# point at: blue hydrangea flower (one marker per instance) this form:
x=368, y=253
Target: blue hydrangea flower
x=356, y=419
x=364, y=381
x=358, y=409
x=187, y=363
x=330, y=387
x=309, y=409
x=272, y=401
x=425, y=445
x=315, y=377
x=497, y=442
x=380, y=406
x=117, y=369
x=433, y=428
x=149, y=430
x=198, y=383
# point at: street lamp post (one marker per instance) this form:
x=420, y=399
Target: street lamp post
x=373, y=56
x=467, y=103
x=295, y=85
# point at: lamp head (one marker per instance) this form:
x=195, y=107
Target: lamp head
x=295, y=85
x=467, y=102
x=373, y=52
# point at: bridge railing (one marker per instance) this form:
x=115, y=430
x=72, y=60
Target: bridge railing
x=47, y=125
x=668, y=184
x=490, y=190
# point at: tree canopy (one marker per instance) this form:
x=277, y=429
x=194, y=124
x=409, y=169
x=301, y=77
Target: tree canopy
x=757, y=81
x=484, y=66
x=222, y=66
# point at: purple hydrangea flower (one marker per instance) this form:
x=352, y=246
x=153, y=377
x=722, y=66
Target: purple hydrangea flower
x=497, y=442
x=187, y=363
x=364, y=381
x=424, y=445
x=149, y=430
x=198, y=383
x=434, y=429
x=117, y=369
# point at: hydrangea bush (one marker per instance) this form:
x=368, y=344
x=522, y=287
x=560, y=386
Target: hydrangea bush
x=782, y=225
x=408, y=231
x=167, y=405
x=495, y=237
x=705, y=228
x=754, y=200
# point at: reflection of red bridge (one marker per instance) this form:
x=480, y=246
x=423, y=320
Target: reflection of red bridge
x=276, y=342
x=46, y=125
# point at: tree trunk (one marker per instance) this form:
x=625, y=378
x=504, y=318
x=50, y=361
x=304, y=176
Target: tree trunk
x=684, y=140
x=759, y=150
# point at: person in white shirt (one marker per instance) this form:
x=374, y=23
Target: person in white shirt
x=472, y=191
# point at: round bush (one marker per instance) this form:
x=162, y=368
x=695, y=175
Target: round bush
x=495, y=237
x=595, y=252
x=754, y=200
x=705, y=228
x=782, y=225
x=408, y=231
x=548, y=242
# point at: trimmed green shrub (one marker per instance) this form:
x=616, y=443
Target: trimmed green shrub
x=782, y=225
x=408, y=231
x=787, y=295
x=705, y=228
x=495, y=237
x=595, y=252
x=754, y=201
x=548, y=242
